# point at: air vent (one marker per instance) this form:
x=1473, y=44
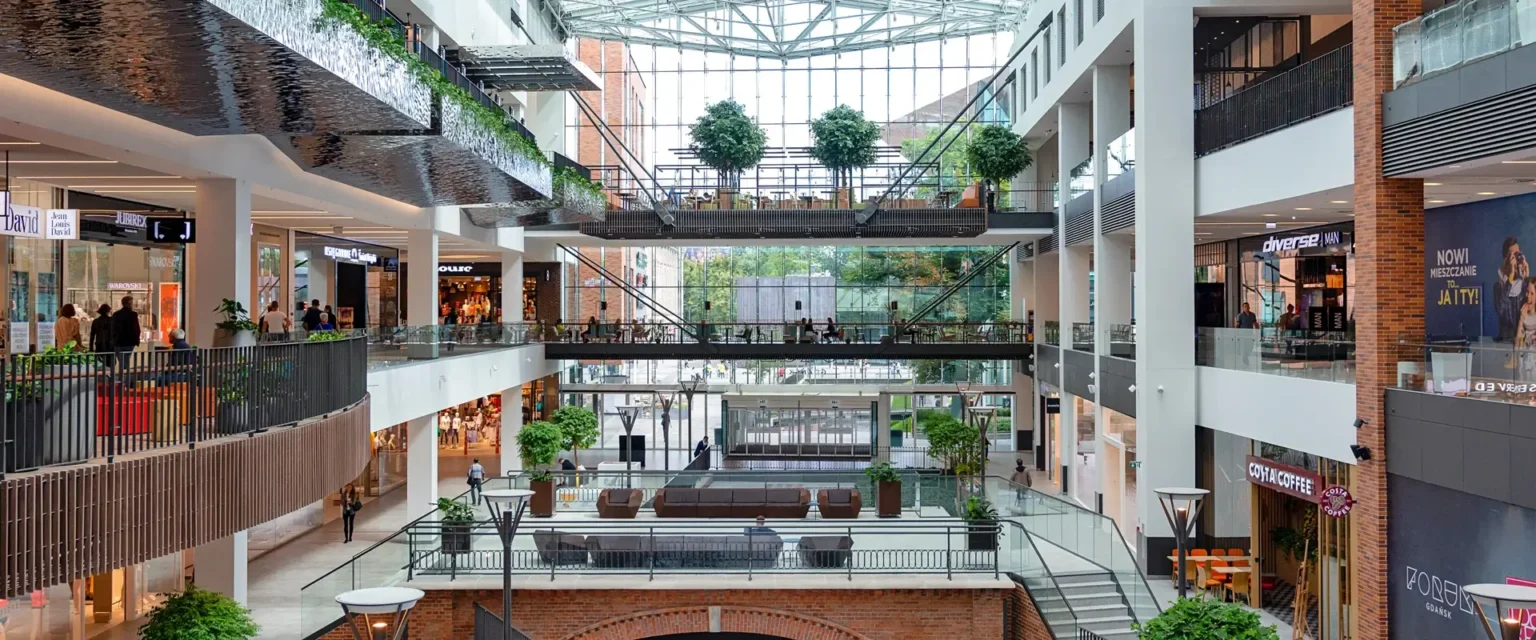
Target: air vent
x=1488, y=127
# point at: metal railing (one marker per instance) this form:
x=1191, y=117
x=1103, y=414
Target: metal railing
x=785, y=333
x=1316, y=87
x=664, y=374
x=394, y=346
x=1082, y=634
x=1053, y=332
x=1082, y=336
x=489, y=626
x=562, y=162
x=1459, y=33
x=1292, y=353
x=1122, y=341
x=1500, y=372
x=67, y=408
x=578, y=491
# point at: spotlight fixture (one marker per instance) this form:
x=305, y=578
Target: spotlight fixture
x=1131, y=388
x=1360, y=423
x=1361, y=453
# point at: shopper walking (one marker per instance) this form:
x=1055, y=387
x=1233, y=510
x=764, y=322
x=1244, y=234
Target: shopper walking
x=274, y=322
x=67, y=331
x=350, y=505
x=476, y=481
x=311, y=319
x=125, y=327
x=101, y=334
x=1022, y=480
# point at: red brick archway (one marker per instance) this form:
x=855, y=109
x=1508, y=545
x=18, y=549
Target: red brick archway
x=661, y=622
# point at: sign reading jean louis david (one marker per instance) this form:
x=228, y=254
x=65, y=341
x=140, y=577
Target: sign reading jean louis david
x=1440, y=540
x=1478, y=273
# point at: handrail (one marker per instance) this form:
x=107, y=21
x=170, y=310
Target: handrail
x=667, y=314
x=1055, y=584
x=618, y=332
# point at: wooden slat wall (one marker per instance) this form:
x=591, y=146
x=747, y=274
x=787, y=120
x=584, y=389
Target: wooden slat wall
x=72, y=522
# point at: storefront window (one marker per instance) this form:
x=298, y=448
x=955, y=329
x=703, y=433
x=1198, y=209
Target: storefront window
x=1297, y=282
x=360, y=281
x=269, y=274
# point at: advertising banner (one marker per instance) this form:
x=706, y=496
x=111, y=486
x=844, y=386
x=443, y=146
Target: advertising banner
x=1477, y=268
x=1441, y=540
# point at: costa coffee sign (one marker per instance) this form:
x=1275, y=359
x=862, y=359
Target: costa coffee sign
x=1291, y=481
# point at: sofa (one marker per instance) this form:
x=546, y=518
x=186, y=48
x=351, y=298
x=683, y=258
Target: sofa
x=732, y=503
x=619, y=551
x=560, y=547
x=632, y=551
x=839, y=504
x=619, y=503
x=825, y=552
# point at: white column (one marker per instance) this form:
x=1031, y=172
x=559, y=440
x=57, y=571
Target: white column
x=420, y=465
x=1112, y=253
x=220, y=265
x=421, y=288
x=221, y=565
x=883, y=427
x=1165, y=204
x=511, y=287
x=1047, y=293
x=511, y=423
x=1021, y=283
x=1072, y=147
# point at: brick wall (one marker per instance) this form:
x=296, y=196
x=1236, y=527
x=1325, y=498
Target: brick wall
x=830, y=614
x=1389, y=298
x=1026, y=623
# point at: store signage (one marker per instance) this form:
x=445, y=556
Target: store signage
x=172, y=230
x=1052, y=405
x=1305, y=241
x=21, y=336
x=62, y=224
x=1336, y=501
x=455, y=268
x=31, y=222
x=135, y=220
x=127, y=286
x=354, y=254
x=165, y=262
x=1291, y=481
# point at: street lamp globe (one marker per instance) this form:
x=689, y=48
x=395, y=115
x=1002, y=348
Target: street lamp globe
x=1502, y=608
x=1182, y=508
x=387, y=606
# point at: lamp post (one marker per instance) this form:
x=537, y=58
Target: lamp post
x=1182, y=508
x=393, y=604
x=627, y=415
x=1504, y=606
x=689, y=387
x=507, y=506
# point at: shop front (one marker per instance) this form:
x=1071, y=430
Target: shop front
x=1297, y=280
x=360, y=280
x=1300, y=539
x=467, y=292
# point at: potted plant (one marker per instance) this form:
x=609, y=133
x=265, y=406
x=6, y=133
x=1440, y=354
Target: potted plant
x=729, y=142
x=887, y=489
x=24, y=415
x=199, y=613
x=996, y=154
x=578, y=428
x=981, y=521
x=538, y=443
x=232, y=410
x=1205, y=619
x=457, y=518
x=69, y=394
x=842, y=140
x=236, y=329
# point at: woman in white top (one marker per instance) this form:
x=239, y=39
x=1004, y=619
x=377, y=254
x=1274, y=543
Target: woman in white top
x=274, y=320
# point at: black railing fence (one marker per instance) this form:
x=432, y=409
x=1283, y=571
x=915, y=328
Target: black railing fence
x=489, y=626
x=70, y=408
x=1084, y=634
x=1316, y=87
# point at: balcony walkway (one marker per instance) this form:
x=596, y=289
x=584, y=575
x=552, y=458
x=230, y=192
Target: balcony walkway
x=779, y=341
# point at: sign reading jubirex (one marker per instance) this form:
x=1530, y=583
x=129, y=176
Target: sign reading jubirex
x=1291, y=481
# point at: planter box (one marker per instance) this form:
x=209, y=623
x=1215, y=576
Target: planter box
x=223, y=338
x=542, y=504
x=888, y=500
x=23, y=435
x=456, y=539
x=230, y=418
x=982, y=536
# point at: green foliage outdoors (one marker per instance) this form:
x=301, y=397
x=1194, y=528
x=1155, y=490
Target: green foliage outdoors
x=726, y=140
x=455, y=512
x=997, y=154
x=954, y=166
x=578, y=427
x=1205, y=619
x=882, y=472
x=955, y=443
x=538, y=443
x=925, y=419
x=199, y=614
x=842, y=140
x=383, y=36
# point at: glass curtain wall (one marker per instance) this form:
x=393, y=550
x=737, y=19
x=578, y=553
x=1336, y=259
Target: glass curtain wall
x=911, y=91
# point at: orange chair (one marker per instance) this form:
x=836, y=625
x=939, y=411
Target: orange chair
x=1235, y=552
x=1216, y=580
x=1196, y=559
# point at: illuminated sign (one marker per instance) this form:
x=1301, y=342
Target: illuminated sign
x=354, y=254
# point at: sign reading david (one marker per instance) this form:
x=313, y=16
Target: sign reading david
x=31, y=222
x=1478, y=275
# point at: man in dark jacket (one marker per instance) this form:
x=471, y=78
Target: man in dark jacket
x=125, y=326
x=312, y=316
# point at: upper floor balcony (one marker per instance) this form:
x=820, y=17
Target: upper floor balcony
x=777, y=341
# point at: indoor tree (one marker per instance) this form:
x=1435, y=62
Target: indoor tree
x=578, y=428
x=842, y=140
x=728, y=141
x=199, y=614
x=997, y=154
x=1205, y=619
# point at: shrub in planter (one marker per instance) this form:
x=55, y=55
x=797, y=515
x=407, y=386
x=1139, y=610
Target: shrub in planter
x=981, y=519
x=538, y=443
x=199, y=614
x=457, y=518
x=578, y=429
x=236, y=329
x=887, y=489
x=1205, y=619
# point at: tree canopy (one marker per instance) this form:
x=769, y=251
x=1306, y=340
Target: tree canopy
x=199, y=614
x=726, y=140
x=954, y=172
x=997, y=154
x=842, y=140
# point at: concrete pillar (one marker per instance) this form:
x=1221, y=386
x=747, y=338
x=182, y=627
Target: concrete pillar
x=132, y=595
x=1112, y=254
x=1047, y=293
x=512, y=287
x=1073, y=139
x=1388, y=273
x=1021, y=284
x=220, y=265
x=883, y=428
x=511, y=424
x=420, y=465
x=421, y=282
x=221, y=565
x=1165, y=265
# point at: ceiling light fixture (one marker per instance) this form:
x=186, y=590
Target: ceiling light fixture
x=1431, y=184
x=1271, y=215
x=1437, y=202
x=1486, y=193
x=28, y=144
x=154, y=191
x=98, y=177
x=1302, y=209
x=63, y=162
x=1338, y=202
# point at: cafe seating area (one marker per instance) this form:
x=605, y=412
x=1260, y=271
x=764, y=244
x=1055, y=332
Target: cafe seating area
x=1224, y=573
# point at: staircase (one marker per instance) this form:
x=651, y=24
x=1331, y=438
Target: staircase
x=1094, y=598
